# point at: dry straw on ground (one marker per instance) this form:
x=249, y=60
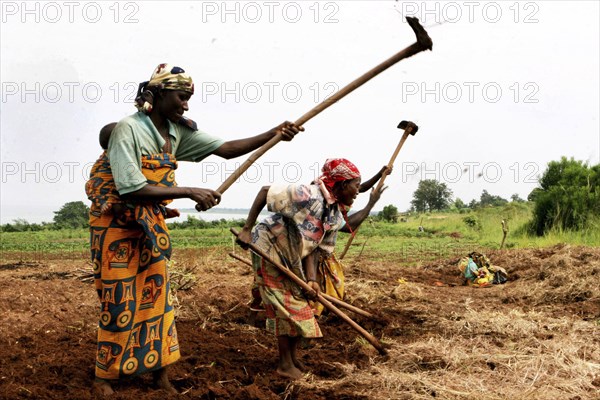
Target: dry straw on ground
x=536, y=337
x=514, y=341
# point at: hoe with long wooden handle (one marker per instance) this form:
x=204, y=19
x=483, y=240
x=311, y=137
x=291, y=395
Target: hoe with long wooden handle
x=410, y=128
x=334, y=300
x=370, y=338
x=423, y=43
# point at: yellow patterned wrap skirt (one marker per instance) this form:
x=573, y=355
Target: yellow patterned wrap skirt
x=130, y=251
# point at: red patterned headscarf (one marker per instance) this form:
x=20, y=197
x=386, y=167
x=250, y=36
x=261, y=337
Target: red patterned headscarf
x=336, y=170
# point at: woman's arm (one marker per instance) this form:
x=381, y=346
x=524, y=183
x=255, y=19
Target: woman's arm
x=239, y=147
x=125, y=160
x=260, y=201
x=371, y=182
x=205, y=198
x=310, y=268
x=358, y=217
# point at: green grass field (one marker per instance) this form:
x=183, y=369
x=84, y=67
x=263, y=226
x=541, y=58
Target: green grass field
x=448, y=234
x=444, y=235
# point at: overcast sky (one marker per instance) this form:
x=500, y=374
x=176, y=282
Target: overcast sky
x=508, y=87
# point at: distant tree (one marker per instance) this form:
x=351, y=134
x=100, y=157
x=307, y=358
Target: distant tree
x=473, y=204
x=459, y=204
x=533, y=195
x=20, y=225
x=72, y=215
x=431, y=195
x=487, y=199
x=389, y=213
x=516, y=198
x=568, y=196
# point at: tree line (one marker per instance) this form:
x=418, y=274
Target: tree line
x=567, y=197
x=72, y=215
x=432, y=195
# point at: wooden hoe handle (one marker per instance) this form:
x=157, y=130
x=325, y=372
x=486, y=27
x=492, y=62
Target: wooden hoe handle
x=423, y=43
x=410, y=128
x=334, y=300
x=370, y=338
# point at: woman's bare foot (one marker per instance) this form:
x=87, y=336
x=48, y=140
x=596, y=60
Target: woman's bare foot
x=161, y=380
x=102, y=387
x=286, y=366
x=299, y=364
x=166, y=385
x=294, y=351
x=292, y=373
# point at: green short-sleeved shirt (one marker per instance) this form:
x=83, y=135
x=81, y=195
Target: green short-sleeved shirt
x=136, y=136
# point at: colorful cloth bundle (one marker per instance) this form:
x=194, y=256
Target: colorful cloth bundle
x=478, y=271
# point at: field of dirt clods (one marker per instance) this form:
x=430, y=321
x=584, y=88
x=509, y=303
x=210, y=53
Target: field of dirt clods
x=535, y=337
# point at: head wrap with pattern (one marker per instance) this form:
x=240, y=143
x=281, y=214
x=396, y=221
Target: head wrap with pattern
x=167, y=77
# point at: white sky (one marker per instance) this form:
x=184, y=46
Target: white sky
x=508, y=87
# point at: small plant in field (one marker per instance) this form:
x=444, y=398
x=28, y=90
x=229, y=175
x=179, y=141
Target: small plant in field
x=472, y=222
x=362, y=342
x=181, y=277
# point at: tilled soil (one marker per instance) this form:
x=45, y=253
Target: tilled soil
x=49, y=318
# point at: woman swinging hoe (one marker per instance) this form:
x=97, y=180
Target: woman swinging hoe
x=130, y=244
x=306, y=221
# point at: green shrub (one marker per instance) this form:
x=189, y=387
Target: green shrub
x=471, y=221
x=568, y=197
x=389, y=213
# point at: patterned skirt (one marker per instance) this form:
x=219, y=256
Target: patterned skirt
x=330, y=275
x=130, y=251
x=288, y=312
